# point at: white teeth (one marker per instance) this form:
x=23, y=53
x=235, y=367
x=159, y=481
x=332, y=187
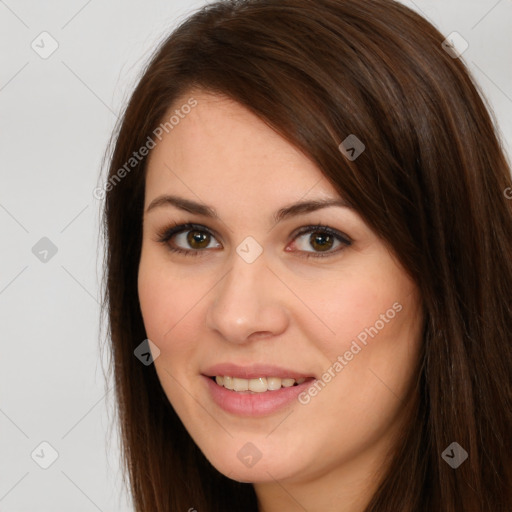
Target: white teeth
x=228, y=382
x=273, y=383
x=259, y=385
x=240, y=384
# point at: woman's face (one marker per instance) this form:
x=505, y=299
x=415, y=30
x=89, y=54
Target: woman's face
x=261, y=294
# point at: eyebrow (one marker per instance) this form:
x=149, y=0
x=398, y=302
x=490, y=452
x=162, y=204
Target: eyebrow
x=207, y=211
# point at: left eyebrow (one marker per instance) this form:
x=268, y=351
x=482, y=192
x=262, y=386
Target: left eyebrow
x=307, y=207
x=282, y=214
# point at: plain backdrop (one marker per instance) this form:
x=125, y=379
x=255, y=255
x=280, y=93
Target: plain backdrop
x=56, y=116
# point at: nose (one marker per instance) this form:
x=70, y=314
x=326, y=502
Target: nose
x=248, y=303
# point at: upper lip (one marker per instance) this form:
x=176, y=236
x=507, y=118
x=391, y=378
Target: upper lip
x=253, y=371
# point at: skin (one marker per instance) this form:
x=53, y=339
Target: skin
x=283, y=309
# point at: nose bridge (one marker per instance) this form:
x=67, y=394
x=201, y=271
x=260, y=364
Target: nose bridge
x=245, y=302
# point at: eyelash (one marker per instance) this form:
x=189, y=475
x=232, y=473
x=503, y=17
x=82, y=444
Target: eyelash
x=167, y=233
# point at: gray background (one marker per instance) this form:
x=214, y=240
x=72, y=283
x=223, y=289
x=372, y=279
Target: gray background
x=56, y=117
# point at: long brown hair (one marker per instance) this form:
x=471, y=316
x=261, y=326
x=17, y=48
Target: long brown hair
x=431, y=182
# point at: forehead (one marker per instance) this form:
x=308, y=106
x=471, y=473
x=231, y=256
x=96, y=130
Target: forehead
x=221, y=149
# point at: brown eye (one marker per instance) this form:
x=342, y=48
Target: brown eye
x=198, y=239
x=321, y=241
x=188, y=239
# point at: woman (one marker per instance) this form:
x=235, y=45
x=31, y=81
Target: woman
x=308, y=268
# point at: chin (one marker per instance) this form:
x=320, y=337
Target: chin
x=246, y=466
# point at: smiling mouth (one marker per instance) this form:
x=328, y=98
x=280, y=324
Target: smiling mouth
x=258, y=385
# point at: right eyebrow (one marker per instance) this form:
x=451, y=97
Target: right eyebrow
x=183, y=204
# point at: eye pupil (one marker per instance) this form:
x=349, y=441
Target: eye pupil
x=321, y=241
x=198, y=239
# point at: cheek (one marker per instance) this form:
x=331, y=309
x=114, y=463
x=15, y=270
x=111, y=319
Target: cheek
x=168, y=310
x=164, y=295
x=172, y=307
x=369, y=333
x=353, y=306
x=370, y=362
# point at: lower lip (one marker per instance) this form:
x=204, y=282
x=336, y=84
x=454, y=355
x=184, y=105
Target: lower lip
x=254, y=404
